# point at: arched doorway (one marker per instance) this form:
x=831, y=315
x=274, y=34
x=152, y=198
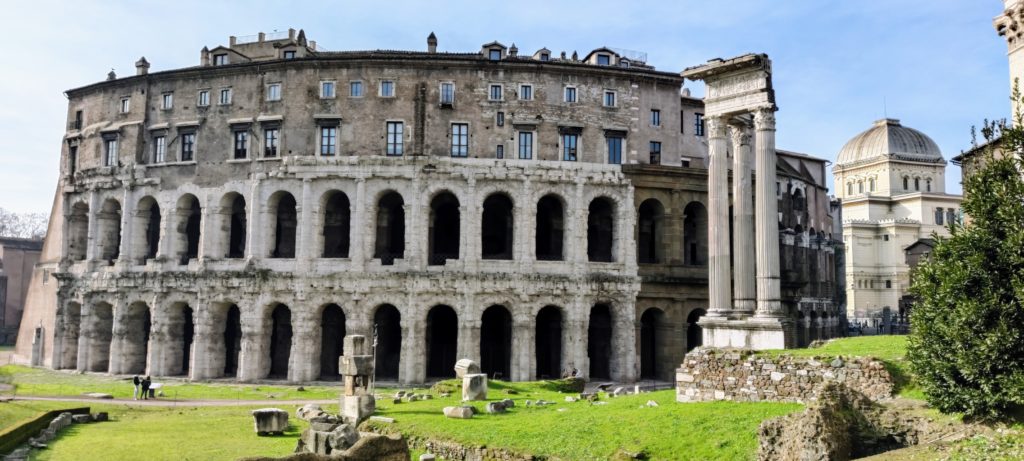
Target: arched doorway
x=285, y=222
x=549, y=343
x=336, y=226
x=137, y=323
x=110, y=230
x=280, y=341
x=147, y=238
x=444, y=229
x=189, y=228
x=600, y=230
x=442, y=338
x=71, y=334
x=496, y=343
x=390, y=242
x=78, y=232
x=650, y=355
x=102, y=326
x=232, y=339
x=650, y=223
x=550, y=228
x=497, y=227
x=234, y=205
x=695, y=234
x=182, y=333
x=694, y=332
x=599, y=342
x=388, y=324
x=332, y=335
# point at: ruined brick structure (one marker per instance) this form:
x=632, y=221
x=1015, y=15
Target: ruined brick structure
x=535, y=213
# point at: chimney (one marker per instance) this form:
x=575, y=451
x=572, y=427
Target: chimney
x=111, y=75
x=261, y=37
x=204, y=57
x=312, y=45
x=141, y=66
x=232, y=40
x=431, y=43
x=513, y=51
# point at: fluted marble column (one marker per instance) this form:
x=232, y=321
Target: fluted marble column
x=720, y=291
x=744, y=293
x=766, y=208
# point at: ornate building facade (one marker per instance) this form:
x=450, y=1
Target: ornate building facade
x=537, y=213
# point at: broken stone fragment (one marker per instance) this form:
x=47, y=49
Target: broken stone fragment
x=458, y=412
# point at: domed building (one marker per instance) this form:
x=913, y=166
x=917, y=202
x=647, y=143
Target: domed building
x=891, y=181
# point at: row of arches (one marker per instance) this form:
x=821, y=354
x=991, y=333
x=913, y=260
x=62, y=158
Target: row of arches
x=652, y=234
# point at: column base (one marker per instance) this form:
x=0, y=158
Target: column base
x=752, y=334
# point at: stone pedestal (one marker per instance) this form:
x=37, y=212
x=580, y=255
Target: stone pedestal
x=756, y=334
x=356, y=367
x=474, y=387
x=270, y=421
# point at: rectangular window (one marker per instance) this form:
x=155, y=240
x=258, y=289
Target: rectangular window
x=951, y=216
x=159, y=149
x=604, y=60
x=355, y=89
x=526, y=92
x=328, y=141
x=938, y=216
x=499, y=151
x=495, y=94
x=698, y=124
x=395, y=138
x=387, y=88
x=225, y=96
x=220, y=59
x=655, y=117
x=271, y=139
x=327, y=90
x=495, y=55
x=569, y=143
x=290, y=54
x=188, y=147
x=655, y=153
x=274, y=92
x=500, y=119
x=686, y=163
x=614, y=150
x=204, y=98
x=447, y=93
x=609, y=99
x=460, y=140
x=525, y=145
x=110, y=149
x=167, y=101
x=78, y=120
x=125, y=105
x=888, y=283
x=72, y=159
x=241, y=144
x=570, y=94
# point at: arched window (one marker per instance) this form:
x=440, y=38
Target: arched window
x=550, y=227
x=860, y=187
x=871, y=184
x=917, y=183
x=390, y=242
x=497, y=227
x=600, y=230
x=336, y=225
x=849, y=188
x=928, y=185
x=906, y=183
x=443, y=235
x=695, y=234
x=649, y=231
x=283, y=225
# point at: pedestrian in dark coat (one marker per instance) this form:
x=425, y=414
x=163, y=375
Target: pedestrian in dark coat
x=137, y=382
x=145, y=387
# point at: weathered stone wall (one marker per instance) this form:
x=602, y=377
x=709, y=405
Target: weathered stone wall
x=708, y=375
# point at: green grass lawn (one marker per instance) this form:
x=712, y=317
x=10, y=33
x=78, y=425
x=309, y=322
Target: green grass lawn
x=42, y=382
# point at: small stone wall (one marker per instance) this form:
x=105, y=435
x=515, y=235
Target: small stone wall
x=715, y=374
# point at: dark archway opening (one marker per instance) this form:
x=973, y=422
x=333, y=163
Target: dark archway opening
x=390, y=243
x=600, y=230
x=694, y=332
x=497, y=228
x=549, y=343
x=337, y=216
x=193, y=216
x=149, y=216
x=388, y=324
x=550, y=228
x=78, y=232
x=232, y=340
x=496, y=343
x=649, y=232
x=599, y=342
x=695, y=234
x=442, y=339
x=110, y=230
x=102, y=334
x=332, y=335
x=285, y=224
x=237, y=230
x=280, y=341
x=188, y=329
x=444, y=229
x=650, y=322
x=137, y=324
x=72, y=331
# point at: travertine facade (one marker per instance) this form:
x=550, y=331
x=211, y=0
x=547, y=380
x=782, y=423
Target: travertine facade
x=240, y=217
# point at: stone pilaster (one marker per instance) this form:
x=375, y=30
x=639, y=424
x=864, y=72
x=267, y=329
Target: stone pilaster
x=743, y=224
x=769, y=304
x=304, y=357
x=719, y=271
x=624, y=337
x=207, y=345
x=523, y=345
x=92, y=247
x=253, y=362
x=359, y=231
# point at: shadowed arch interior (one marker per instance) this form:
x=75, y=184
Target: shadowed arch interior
x=387, y=322
x=337, y=218
x=650, y=322
x=599, y=341
x=78, y=231
x=232, y=340
x=695, y=234
x=497, y=227
x=390, y=231
x=650, y=227
x=189, y=228
x=496, y=343
x=442, y=338
x=182, y=333
x=102, y=326
x=280, y=341
x=600, y=230
x=236, y=225
x=71, y=334
x=137, y=322
x=285, y=222
x=146, y=240
x=694, y=332
x=550, y=229
x=444, y=229
x=110, y=230
x=332, y=335
x=549, y=343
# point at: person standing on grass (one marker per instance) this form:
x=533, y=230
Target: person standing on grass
x=137, y=382
x=145, y=387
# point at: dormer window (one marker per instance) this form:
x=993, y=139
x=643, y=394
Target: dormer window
x=220, y=59
x=604, y=60
x=545, y=57
x=494, y=55
x=289, y=54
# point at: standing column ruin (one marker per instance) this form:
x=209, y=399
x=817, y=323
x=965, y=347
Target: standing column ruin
x=743, y=221
x=719, y=264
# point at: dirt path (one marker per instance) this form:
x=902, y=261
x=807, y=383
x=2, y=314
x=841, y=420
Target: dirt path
x=174, y=403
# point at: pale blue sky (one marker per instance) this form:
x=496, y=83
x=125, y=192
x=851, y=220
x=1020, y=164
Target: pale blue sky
x=937, y=64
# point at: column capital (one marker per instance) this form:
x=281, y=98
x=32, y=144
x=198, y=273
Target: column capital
x=764, y=118
x=739, y=134
x=716, y=126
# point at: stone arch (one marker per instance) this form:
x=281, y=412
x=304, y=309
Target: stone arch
x=100, y=335
x=181, y=335
x=599, y=341
x=284, y=221
x=390, y=228
x=70, y=335
x=497, y=227
x=651, y=343
x=601, y=230
x=694, y=332
x=280, y=341
x=798, y=198
x=232, y=337
x=695, y=234
x=136, y=326
x=109, y=226
x=337, y=219
x=650, y=232
x=550, y=232
x=549, y=342
x=441, y=341
x=387, y=323
x=78, y=231
x=332, y=335
x=188, y=228
x=496, y=342
x=235, y=220
x=147, y=220
x=444, y=228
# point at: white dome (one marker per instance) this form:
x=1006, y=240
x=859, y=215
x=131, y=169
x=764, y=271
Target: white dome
x=888, y=139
